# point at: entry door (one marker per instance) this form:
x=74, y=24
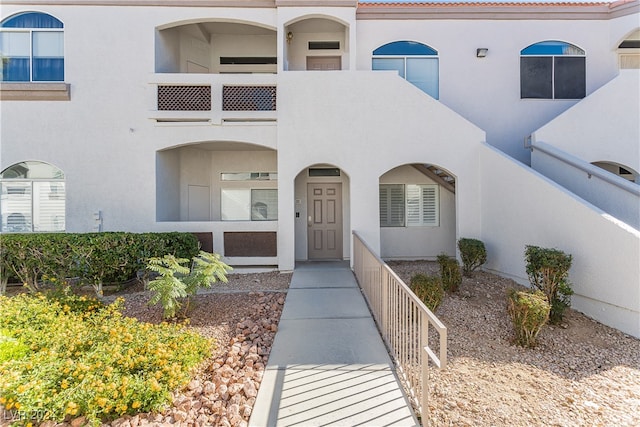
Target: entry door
x=324, y=63
x=324, y=221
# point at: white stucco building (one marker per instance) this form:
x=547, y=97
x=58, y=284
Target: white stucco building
x=277, y=127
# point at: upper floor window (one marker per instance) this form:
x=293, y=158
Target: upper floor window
x=32, y=48
x=629, y=51
x=416, y=62
x=32, y=198
x=552, y=70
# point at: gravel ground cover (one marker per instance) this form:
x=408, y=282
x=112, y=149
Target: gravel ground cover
x=582, y=373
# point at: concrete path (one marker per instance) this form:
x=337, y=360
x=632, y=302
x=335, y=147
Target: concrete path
x=328, y=364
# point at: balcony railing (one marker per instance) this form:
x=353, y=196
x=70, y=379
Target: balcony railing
x=184, y=98
x=248, y=98
x=407, y=326
x=213, y=98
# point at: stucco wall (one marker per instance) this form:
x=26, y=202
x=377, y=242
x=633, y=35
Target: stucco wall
x=613, y=194
x=486, y=91
x=103, y=138
x=364, y=123
x=521, y=207
x=603, y=127
x=351, y=126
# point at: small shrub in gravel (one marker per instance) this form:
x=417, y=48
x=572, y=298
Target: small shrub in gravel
x=529, y=311
x=429, y=289
x=449, y=273
x=548, y=271
x=473, y=254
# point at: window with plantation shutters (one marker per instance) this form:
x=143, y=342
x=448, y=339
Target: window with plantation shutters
x=392, y=205
x=410, y=205
x=48, y=206
x=422, y=205
x=32, y=198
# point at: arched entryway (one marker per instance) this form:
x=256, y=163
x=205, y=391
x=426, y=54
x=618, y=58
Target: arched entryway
x=417, y=212
x=215, y=47
x=316, y=43
x=322, y=211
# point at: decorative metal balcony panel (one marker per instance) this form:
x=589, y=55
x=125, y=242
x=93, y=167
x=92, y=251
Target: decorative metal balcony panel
x=184, y=98
x=249, y=98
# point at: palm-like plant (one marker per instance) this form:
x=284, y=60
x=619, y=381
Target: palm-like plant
x=177, y=282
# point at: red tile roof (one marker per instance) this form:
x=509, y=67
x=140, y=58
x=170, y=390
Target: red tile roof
x=489, y=3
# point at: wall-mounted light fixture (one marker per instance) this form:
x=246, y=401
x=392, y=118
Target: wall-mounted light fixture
x=289, y=37
x=481, y=52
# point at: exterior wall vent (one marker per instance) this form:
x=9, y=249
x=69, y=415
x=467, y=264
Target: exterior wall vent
x=324, y=45
x=248, y=60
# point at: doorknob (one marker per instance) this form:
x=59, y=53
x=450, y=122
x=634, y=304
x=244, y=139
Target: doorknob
x=310, y=221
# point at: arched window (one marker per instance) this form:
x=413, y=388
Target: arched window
x=32, y=198
x=32, y=46
x=416, y=62
x=629, y=51
x=552, y=70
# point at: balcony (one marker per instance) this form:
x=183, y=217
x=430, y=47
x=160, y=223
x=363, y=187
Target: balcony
x=214, y=99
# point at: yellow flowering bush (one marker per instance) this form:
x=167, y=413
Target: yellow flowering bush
x=84, y=358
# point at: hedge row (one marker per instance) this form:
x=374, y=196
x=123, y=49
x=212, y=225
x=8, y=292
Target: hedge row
x=87, y=258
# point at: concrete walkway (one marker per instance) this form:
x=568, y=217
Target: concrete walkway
x=328, y=364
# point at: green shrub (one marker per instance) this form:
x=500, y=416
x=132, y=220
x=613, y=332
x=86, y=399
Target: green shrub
x=449, y=273
x=11, y=348
x=428, y=289
x=176, y=282
x=472, y=253
x=529, y=311
x=89, y=258
x=5, y=269
x=548, y=271
x=86, y=359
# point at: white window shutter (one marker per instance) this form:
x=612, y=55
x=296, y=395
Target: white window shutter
x=430, y=211
x=414, y=214
x=423, y=205
x=391, y=205
x=48, y=206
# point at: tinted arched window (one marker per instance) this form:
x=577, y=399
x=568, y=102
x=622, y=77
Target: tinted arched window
x=552, y=70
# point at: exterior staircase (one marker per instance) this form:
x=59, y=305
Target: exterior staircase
x=440, y=176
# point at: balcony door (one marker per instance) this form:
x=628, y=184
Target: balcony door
x=324, y=221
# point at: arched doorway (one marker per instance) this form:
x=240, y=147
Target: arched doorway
x=322, y=213
x=316, y=43
x=417, y=212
